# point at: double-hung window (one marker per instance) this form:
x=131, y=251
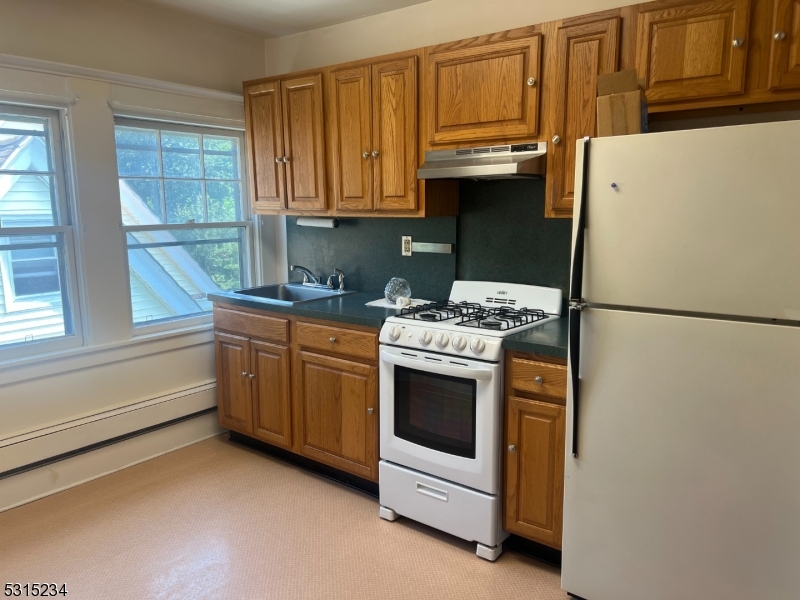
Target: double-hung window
x=37, y=273
x=186, y=226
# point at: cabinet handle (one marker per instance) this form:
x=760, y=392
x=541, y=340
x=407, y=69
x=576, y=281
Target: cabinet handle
x=512, y=448
x=331, y=340
x=531, y=81
x=365, y=155
x=252, y=375
x=779, y=36
x=556, y=139
x=244, y=373
x=278, y=159
x=538, y=380
x=374, y=154
x=370, y=411
x=738, y=42
x=286, y=159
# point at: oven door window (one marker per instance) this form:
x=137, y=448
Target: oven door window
x=435, y=411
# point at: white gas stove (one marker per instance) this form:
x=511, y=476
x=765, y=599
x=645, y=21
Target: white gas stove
x=474, y=320
x=441, y=401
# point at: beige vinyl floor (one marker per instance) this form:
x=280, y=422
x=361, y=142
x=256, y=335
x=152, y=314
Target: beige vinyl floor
x=216, y=521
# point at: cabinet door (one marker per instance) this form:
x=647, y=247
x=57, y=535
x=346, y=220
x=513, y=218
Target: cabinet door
x=582, y=53
x=350, y=128
x=235, y=407
x=785, y=57
x=337, y=413
x=483, y=92
x=695, y=50
x=272, y=412
x=534, y=505
x=304, y=142
x=394, y=133
x=262, y=105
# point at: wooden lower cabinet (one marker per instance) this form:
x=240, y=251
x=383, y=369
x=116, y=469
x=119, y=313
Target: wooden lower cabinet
x=272, y=399
x=534, y=504
x=336, y=403
x=233, y=382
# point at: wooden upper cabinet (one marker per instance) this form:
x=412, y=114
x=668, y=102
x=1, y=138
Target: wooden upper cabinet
x=785, y=55
x=534, y=502
x=483, y=92
x=582, y=52
x=394, y=133
x=271, y=393
x=264, y=124
x=233, y=382
x=304, y=142
x=692, y=50
x=336, y=403
x=350, y=126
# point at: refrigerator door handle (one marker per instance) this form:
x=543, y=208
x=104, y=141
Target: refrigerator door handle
x=576, y=301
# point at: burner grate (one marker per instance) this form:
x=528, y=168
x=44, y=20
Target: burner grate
x=501, y=318
x=439, y=311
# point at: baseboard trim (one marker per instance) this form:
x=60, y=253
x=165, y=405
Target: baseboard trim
x=44, y=480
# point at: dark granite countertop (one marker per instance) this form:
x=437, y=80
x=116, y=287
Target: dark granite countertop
x=343, y=309
x=551, y=339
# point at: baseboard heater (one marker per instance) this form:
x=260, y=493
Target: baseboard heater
x=34, y=449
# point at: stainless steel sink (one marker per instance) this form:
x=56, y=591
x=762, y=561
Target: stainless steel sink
x=290, y=294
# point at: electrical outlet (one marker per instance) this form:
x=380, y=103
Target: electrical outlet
x=405, y=250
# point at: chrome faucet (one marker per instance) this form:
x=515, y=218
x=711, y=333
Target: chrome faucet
x=308, y=277
x=340, y=274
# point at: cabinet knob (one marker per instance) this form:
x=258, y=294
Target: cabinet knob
x=331, y=340
x=374, y=154
x=286, y=159
x=556, y=139
x=512, y=448
x=252, y=376
x=538, y=379
x=244, y=373
x=365, y=155
x=278, y=159
x=370, y=411
x=531, y=81
x=779, y=36
x=738, y=42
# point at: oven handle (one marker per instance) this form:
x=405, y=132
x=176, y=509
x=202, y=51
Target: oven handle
x=451, y=370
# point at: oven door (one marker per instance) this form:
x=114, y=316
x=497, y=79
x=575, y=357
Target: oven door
x=442, y=415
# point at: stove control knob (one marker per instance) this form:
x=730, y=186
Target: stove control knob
x=394, y=333
x=477, y=345
x=442, y=340
x=425, y=338
x=459, y=343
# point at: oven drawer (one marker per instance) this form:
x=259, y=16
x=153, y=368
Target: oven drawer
x=539, y=378
x=361, y=344
x=457, y=510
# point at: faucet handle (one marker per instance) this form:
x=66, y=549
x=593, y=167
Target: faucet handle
x=340, y=273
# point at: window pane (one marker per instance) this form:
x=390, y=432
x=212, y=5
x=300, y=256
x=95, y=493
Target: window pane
x=223, y=201
x=221, y=156
x=137, y=152
x=180, y=153
x=171, y=271
x=184, y=201
x=24, y=144
x=141, y=201
x=27, y=197
x=32, y=290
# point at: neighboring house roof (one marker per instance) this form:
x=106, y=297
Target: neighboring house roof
x=8, y=146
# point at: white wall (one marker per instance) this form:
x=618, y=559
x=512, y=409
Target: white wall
x=417, y=26
x=133, y=39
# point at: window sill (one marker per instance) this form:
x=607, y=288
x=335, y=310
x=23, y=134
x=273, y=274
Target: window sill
x=75, y=359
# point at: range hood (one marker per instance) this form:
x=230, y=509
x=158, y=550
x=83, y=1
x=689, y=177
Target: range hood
x=486, y=162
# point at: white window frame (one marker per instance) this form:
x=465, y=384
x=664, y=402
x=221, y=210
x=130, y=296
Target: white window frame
x=246, y=221
x=63, y=227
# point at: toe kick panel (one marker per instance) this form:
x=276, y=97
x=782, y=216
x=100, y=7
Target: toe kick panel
x=457, y=510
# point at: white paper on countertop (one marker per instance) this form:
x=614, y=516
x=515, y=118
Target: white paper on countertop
x=384, y=303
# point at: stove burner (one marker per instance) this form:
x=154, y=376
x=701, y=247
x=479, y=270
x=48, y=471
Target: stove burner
x=491, y=324
x=429, y=317
x=502, y=319
x=439, y=311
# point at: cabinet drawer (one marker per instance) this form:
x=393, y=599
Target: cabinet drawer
x=337, y=339
x=539, y=378
x=252, y=325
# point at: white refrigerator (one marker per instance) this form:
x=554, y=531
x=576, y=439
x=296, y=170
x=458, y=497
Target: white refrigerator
x=683, y=428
